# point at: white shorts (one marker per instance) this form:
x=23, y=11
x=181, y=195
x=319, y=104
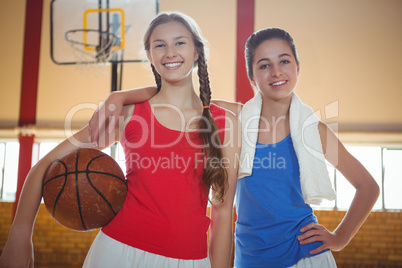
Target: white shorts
x=323, y=260
x=107, y=252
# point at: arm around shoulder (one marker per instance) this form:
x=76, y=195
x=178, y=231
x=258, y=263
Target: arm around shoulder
x=234, y=107
x=135, y=95
x=111, y=109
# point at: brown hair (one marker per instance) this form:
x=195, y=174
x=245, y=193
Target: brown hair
x=263, y=35
x=214, y=175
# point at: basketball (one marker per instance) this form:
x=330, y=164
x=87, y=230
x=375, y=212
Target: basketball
x=84, y=189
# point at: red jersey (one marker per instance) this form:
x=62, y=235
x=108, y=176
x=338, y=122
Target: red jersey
x=165, y=209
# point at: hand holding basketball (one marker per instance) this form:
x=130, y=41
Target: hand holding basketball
x=84, y=189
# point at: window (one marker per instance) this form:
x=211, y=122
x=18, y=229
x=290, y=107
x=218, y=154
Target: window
x=384, y=164
x=370, y=158
x=9, y=152
x=392, y=178
x=45, y=148
x=116, y=151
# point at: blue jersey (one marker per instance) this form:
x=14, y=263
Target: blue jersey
x=271, y=210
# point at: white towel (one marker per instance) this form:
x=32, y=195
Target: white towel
x=314, y=178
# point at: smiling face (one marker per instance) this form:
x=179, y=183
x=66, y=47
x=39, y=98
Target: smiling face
x=275, y=69
x=172, y=52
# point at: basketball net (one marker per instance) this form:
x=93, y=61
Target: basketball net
x=93, y=59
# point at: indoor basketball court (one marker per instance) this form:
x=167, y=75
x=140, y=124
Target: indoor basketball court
x=62, y=58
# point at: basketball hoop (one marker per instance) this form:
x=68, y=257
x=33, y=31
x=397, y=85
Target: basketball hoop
x=93, y=49
x=97, y=46
x=102, y=23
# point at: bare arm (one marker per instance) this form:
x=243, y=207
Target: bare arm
x=111, y=109
x=18, y=251
x=234, y=107
x=221, y=214
x=367, y=192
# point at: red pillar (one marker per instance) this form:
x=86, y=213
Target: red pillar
x=29, y=87
x=245, y=27
x=24, y=164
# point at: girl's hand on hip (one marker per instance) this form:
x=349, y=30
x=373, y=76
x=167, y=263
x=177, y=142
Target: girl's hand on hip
x=314, y=232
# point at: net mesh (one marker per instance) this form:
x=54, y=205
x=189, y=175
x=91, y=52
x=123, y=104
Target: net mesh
x=93, y=49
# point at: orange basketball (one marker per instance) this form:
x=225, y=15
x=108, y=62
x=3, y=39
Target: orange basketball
x=84, y=189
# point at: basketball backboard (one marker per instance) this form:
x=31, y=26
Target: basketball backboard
x=99, y=31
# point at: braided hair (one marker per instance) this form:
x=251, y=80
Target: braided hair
x=214, y=176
